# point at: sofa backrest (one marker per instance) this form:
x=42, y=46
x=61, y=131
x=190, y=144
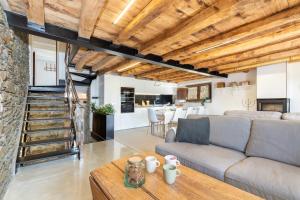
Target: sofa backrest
x=291, y=116
x=228, y=131
x=276, y=140
x=254, y=114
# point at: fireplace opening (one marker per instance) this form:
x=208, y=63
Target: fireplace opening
x=276, y=105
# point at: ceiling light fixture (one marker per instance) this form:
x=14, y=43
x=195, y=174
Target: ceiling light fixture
x=124, y=11
x=127, y=67
x=217, y=45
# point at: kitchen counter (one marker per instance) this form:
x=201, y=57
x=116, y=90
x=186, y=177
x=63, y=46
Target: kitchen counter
x=139, y=118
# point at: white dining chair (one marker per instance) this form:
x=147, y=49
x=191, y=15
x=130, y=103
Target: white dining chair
x=201, y=110
x=153, y=120
x=189, y=111
x=177, y=114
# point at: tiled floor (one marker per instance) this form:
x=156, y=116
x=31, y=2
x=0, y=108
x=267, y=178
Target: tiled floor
x=68, y=178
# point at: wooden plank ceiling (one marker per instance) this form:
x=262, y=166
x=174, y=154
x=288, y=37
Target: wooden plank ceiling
x=222, y=35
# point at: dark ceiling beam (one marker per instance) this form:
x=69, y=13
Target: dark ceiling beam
x=20, y=22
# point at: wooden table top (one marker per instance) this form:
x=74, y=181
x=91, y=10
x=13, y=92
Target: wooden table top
x=189, y=185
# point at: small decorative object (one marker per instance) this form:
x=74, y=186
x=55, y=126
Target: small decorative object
x=50, y=67
x=220, y=84
x=248, y=103
x=203, y=101
x=134, y=172
x=244, y=83
x=103, y=122
x=233, y=84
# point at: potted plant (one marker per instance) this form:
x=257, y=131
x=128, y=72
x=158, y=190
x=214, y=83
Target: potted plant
x=103, y=122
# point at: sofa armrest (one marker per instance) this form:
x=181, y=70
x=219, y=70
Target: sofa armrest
x=171, y=135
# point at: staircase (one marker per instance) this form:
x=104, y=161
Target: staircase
x=48, y=131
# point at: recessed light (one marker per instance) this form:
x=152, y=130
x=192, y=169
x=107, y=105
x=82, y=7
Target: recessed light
x=128, y=67
x=124, y=11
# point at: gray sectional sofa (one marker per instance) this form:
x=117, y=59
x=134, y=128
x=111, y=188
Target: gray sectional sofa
x=259, y=156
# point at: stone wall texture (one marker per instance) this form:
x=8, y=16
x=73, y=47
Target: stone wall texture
x=14, y=79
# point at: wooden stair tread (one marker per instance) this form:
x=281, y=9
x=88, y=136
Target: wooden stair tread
x=44, y=142
x=46, y=130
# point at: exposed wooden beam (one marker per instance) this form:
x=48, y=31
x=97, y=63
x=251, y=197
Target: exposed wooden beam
x=36, y=12
x=262, y=59
x=204, y=18
x=154, y=72
x=262, y=51
x=247, y=31
x=171, y=75
x=90, y=11
x=290, y=32
x=101, y=64
x=137, y=70
x=120, y=65
x=149, y=13
x=84, y=59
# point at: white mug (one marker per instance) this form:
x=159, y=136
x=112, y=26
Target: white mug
x=171, y=160
x=170, y=173
x=151, y=164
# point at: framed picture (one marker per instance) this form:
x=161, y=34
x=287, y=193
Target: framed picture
x=192, y=93
x=205, y=91
x=199, y=92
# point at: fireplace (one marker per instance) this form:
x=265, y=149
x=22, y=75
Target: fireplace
x=277, y=105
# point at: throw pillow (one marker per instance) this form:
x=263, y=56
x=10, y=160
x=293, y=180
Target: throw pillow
x=194, y=131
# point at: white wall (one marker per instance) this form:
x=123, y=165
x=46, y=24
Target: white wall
x=272, y=81
x=230, y=98
x=293, y=85
x=45, y=52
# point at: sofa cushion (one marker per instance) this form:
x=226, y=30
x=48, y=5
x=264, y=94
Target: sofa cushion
x=266, y=178
x=230, y=132
x=209, y=159
x=194, y=131
x=254, y=114
x=276, y=140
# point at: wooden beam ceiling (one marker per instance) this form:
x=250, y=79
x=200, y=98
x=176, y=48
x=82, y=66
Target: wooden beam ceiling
x=106, y=62
x=226, y=36
x=84, y=59
x=148, y=14
x=201, y=20
x=90, y=11
x=259, y=60
x=290, y=32
x=137, y=70
x=155, y=72
x=256, y=28
x=36, y=12
x=262, y=51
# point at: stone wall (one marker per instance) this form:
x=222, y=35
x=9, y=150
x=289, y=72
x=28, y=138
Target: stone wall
x=14, y=78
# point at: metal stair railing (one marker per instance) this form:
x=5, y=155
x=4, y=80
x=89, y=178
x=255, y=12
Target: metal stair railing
x=77, y=109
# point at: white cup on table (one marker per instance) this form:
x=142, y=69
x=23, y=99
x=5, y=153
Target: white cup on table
x=151, y=164
x=172, y=160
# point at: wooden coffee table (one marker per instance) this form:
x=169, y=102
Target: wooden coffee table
x=107, y=182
